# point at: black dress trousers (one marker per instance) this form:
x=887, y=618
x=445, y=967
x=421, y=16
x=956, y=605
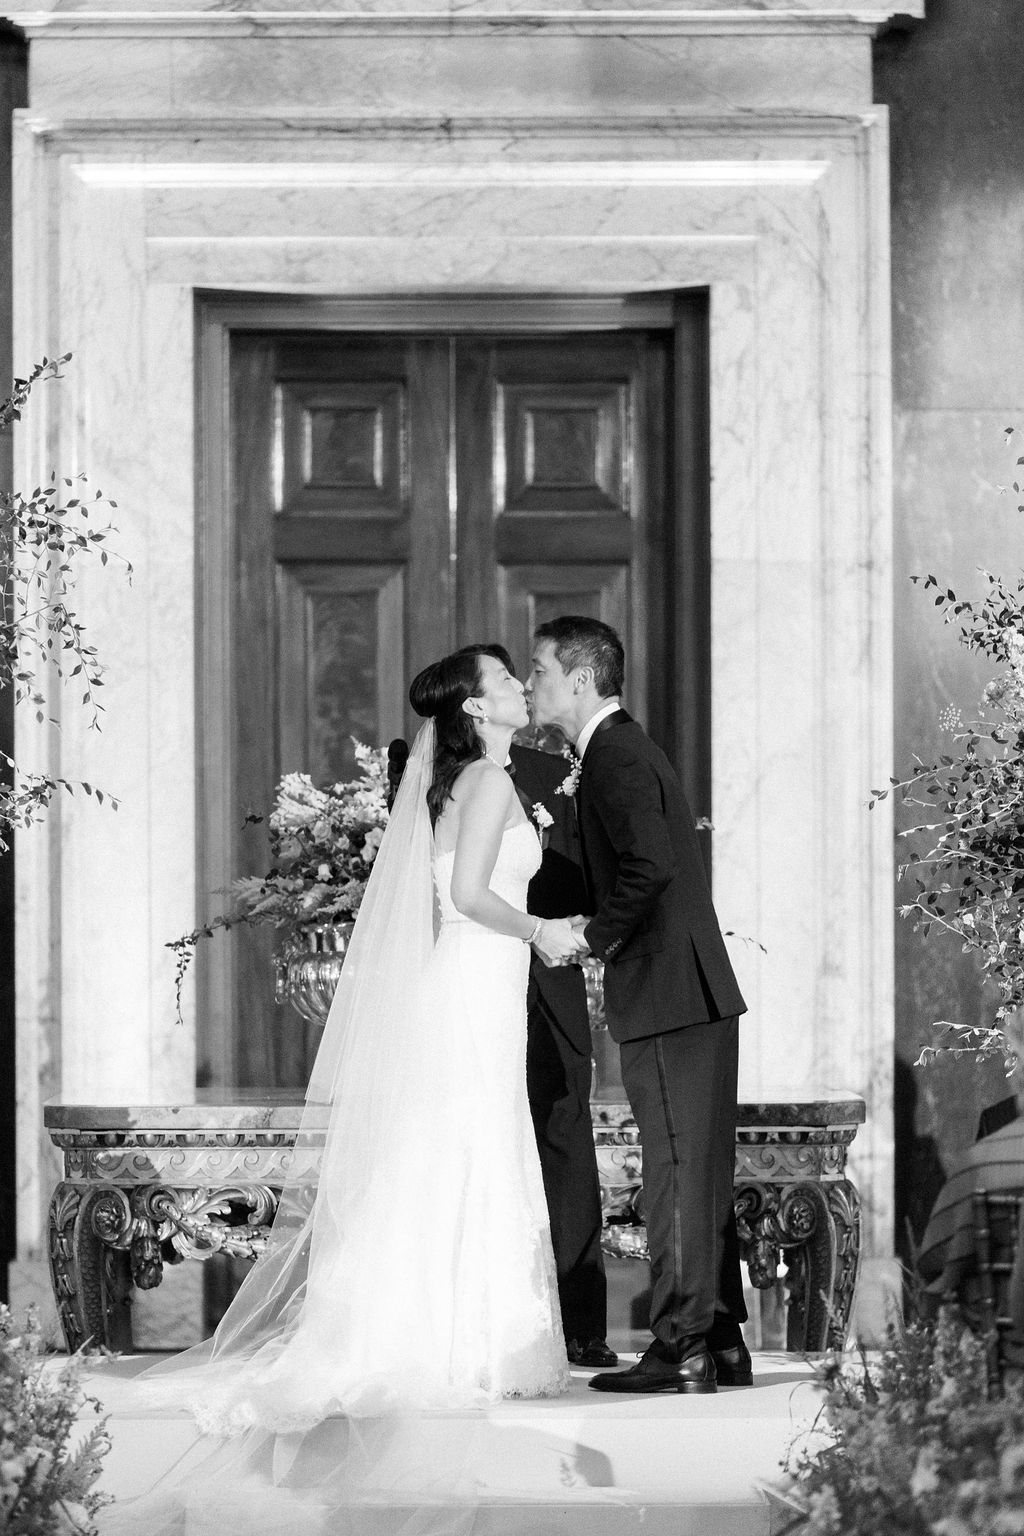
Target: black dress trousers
x=558, y=1083
x=682, y=1089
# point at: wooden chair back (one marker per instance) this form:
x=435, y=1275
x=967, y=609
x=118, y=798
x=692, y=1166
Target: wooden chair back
x=997, y=1220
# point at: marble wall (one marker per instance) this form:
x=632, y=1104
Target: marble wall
x=13, y=93
x=953, y=90
x=477, y=149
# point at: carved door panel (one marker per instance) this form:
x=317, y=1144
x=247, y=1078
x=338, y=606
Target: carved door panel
x=394, y=496
x=561, y=490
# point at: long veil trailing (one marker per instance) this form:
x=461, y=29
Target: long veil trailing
x=365, y=1106
x=298, y=1434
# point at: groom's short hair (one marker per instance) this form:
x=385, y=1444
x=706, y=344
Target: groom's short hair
x=583, y=642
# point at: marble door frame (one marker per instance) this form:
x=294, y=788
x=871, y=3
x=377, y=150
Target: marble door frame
x=784, y=217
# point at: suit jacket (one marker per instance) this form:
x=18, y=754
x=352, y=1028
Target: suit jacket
x=654, y=924
x=558, y=889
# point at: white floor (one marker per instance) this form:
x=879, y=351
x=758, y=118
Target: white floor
x=586, y=1464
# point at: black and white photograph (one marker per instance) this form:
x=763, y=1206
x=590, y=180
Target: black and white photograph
x=512, y=768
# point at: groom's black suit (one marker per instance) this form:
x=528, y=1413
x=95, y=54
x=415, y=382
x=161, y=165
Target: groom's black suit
x=671, y=1003
x=558, y=1061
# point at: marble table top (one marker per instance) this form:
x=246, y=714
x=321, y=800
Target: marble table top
x=281, y=1109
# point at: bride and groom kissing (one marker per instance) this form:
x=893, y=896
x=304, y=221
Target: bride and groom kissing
x=457, y=993
x=625, y=851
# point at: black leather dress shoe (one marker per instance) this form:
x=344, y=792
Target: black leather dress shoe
x=733, y=1366
x=658, y=1370
x=592, y=1352
x=724, y=1342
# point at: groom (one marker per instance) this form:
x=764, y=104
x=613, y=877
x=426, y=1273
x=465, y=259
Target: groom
x=671, y=1004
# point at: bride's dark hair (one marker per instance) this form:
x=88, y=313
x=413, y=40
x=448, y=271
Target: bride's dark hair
x=440, y=690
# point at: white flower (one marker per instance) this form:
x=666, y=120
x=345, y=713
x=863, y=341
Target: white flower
x=299, y=803
x=372, y=843
x=323, y=872
x=542, y=816
x=571, y=783
x=925, y=1476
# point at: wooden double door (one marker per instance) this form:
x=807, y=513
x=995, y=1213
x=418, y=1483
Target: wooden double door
x=394, y=496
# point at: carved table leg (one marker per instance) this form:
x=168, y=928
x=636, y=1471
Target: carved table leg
x=825, y=1270
x=816, y=1227
x=844, y=1211
x=91, y=1281
x=810, y=1254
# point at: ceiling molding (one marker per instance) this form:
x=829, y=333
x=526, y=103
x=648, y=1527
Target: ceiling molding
x=483, y=16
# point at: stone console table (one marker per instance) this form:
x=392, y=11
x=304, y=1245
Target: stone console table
x=145, y=1185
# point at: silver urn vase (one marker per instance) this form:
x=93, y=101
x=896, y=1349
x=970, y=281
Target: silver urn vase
x=307, y=972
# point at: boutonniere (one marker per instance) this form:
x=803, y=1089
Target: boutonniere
x=571, y=783
x=545, y=821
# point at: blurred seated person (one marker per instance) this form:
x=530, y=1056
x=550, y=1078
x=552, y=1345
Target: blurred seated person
x=947, y=1259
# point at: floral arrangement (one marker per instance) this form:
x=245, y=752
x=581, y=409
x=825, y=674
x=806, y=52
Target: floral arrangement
x=46, y=1483
x=323, y=843
x=908, y=1443
x=966, y=856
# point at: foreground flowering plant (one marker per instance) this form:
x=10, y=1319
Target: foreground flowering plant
x=322, y=842
x=966, y=855
x=908, y=1443
x=47, y=1468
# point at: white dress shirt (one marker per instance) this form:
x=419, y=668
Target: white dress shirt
x=592, y=724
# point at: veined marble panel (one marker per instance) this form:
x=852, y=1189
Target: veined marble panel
x=702, y=16
x=795, y=256
x=672, y=204
x=374, y=66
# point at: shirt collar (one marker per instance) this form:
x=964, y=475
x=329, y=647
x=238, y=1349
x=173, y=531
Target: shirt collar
x=591, y=726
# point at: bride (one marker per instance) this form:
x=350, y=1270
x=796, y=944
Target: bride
x=418, y=1273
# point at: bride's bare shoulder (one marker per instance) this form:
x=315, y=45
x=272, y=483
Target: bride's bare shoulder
x=481, y=778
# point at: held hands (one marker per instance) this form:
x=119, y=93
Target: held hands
x=578, y=925
x=560, y=942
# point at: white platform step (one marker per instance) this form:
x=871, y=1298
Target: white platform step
x=582, y=1465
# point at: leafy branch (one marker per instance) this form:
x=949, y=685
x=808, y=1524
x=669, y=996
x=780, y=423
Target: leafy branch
x=185, y=949
x=43, y=538
x=965, y=858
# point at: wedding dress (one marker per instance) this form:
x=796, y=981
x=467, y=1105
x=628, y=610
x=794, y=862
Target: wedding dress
x=418, y=1275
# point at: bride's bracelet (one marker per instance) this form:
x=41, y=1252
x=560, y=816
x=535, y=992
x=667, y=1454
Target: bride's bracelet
x=536, y=932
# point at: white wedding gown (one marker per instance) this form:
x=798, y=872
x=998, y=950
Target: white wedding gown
x=430, y=1282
